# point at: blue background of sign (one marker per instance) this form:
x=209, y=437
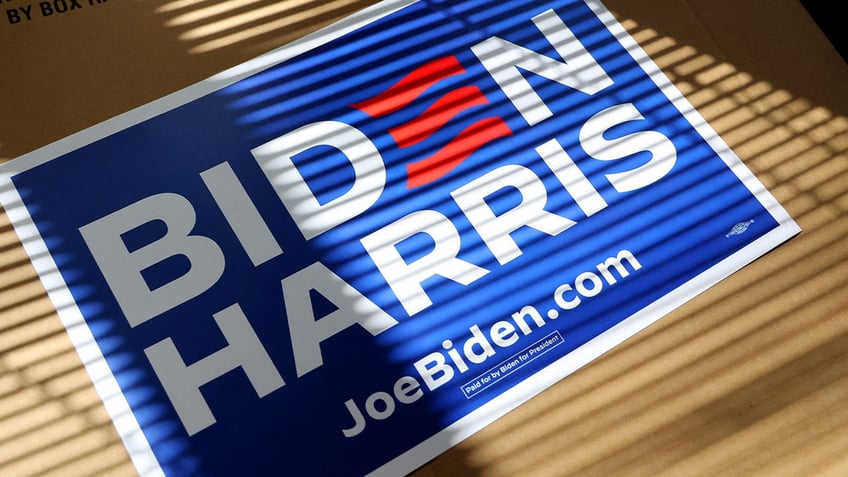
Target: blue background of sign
x=677, y=228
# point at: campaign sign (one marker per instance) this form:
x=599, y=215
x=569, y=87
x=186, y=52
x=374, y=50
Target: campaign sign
x=348, y=255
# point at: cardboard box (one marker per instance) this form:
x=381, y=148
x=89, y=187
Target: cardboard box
x=748, y=378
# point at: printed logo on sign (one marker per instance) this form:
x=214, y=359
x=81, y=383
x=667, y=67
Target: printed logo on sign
x=739, y=228
x=451, y=104
x=572, y=66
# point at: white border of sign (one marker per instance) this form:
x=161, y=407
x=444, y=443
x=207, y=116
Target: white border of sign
x=105, y=382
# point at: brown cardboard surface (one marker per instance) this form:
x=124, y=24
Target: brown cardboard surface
x=750, y=378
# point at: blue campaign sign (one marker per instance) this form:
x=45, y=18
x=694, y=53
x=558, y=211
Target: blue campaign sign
x=353, y=252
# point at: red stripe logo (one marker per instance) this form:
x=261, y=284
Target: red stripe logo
x=411, y=87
